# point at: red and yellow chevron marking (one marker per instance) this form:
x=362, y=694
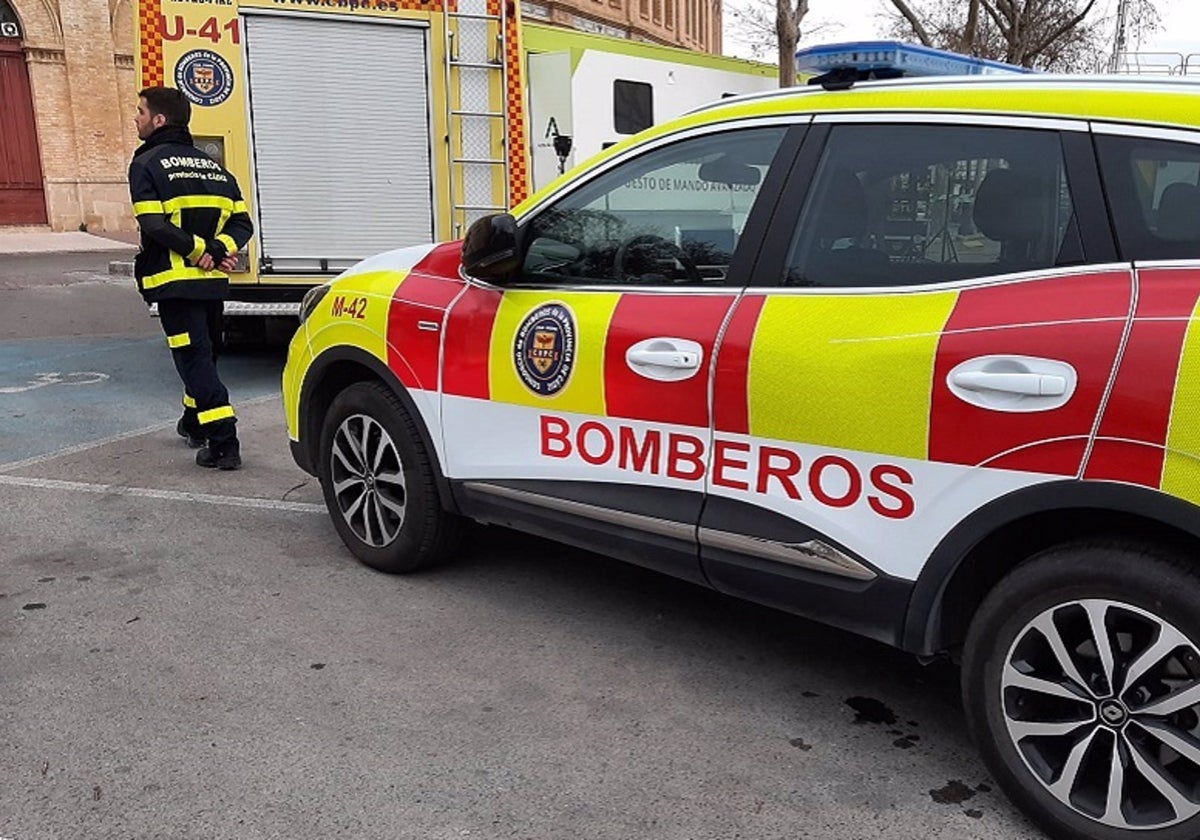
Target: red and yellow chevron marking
x=584, y=392
x=422, y=295
x=482, y=336
x=630, y=395
x=851, y=372
x=150, y=42
x=469, y=343
x=1075, y=319
x=1130, y=444
x=1181, y=467
x=869, y=372
x=866, y=373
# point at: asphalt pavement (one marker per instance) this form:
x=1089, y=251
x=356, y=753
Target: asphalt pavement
x=193, y=654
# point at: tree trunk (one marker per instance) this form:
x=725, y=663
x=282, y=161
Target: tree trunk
x=787, y=30
x=971, y=29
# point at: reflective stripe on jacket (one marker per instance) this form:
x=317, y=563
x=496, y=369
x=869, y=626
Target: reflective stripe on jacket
x=186, y=205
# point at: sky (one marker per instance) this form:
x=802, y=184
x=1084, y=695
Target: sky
x=856, y=20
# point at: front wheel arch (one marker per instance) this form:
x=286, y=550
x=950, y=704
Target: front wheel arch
x=331, y=373
x=986, y=546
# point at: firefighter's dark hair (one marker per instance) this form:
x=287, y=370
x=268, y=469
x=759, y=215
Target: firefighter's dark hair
x=170, y=102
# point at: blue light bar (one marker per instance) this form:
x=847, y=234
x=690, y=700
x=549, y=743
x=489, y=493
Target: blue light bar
x=890, y=59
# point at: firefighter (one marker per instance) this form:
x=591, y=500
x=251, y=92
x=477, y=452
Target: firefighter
x=193, y=222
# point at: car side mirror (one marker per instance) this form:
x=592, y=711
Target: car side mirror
x=491, y=250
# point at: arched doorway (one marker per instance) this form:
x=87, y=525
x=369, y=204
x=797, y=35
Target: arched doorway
x=22, y=197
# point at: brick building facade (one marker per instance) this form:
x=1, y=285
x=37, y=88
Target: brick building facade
x=78, y=73
x=691, y=24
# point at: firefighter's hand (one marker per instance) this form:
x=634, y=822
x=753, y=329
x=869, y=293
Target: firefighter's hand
x=228, y=264
x=205, y=262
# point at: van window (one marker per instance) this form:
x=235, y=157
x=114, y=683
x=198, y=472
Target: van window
x=633, y=106
x=1154, y=192
x=901, y=205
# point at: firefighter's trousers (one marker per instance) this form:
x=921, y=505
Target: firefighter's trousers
x=193, y=329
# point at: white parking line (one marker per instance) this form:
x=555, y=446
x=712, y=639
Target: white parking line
x=94, y=444
x=168, y=495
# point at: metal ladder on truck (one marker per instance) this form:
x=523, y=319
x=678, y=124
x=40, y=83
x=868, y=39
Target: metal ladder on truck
x=475, y=111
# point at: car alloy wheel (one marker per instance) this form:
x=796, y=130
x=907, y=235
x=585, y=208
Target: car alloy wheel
x=368, y=480
x=1100, y=700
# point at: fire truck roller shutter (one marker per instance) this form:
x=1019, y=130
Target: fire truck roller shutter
x=340, y=126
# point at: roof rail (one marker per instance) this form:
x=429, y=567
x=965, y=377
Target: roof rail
x=1034, y=79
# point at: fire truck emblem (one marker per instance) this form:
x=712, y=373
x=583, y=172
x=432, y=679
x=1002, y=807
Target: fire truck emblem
x=544, y=349
x=204, y=77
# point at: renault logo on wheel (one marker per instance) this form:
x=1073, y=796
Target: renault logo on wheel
x=1112, y=713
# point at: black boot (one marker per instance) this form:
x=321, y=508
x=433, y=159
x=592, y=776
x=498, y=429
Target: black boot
x=193, y=439
x=230, y=459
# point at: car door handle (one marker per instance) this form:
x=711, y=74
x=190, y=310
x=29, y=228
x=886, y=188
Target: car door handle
x=1029, y=384
x=1013, y=383
x=665, y=359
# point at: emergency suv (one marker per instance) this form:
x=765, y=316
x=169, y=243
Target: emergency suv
x=917, y=358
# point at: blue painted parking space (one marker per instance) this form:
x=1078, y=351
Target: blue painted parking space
x=58, y=393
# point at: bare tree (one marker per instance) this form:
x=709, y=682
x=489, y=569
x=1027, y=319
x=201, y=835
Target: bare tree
x=772, y=28
x=1062, y=35
x=788, y=15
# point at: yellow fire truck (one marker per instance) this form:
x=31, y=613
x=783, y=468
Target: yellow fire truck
x=358, y=126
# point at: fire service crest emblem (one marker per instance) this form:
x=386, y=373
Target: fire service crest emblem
x=204, y=77
x=544, y=349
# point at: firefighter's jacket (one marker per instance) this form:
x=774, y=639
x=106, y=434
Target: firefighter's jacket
x=187, y=205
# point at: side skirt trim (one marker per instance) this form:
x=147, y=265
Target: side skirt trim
x=811, y=554
x=648, y=524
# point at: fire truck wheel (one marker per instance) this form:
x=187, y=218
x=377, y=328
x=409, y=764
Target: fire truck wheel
x=379, y=483
x=1081, y=683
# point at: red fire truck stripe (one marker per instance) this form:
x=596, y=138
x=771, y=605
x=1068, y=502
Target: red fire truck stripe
x=637, y=316
x=732, y=404
x=1078, y=320
x=1134, y=429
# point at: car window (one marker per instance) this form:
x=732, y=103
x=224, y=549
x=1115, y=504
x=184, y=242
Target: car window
x=897, y=205
x=671, y=216
x=1154, y=193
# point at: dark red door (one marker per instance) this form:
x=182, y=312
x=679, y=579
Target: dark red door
x=22, y=201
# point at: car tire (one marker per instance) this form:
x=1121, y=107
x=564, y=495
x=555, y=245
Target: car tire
x=379, y=483
x=1072, y=671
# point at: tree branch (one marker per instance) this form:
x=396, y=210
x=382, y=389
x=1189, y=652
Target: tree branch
x=994, y=14
x=1061, y=31
x=913, y=21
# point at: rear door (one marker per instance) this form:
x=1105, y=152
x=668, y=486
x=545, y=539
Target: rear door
x=1150, y=434
x=576, y=399
x=339, y=112
x=929, y=333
